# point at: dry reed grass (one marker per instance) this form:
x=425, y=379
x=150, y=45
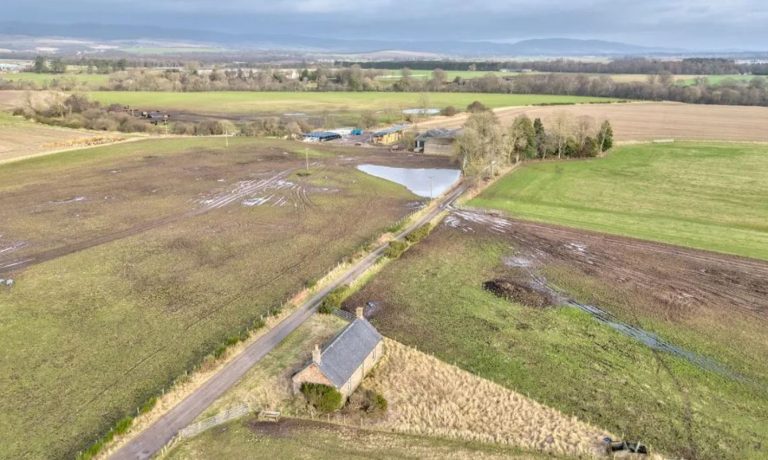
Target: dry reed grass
x=429, y=397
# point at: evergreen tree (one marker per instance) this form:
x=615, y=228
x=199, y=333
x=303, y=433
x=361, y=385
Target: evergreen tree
x=605, y=136
x=523, y=136
x=541, y=137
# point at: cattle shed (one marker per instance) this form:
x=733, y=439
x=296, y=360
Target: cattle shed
x=437, y=141
x=344, y=362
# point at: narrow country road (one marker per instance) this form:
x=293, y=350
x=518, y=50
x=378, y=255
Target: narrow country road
x=151, y=440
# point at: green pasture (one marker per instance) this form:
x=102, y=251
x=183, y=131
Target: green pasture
x=710, y=196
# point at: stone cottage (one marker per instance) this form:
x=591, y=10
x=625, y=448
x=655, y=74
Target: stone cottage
x=345, y=361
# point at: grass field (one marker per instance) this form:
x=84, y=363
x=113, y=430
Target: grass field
x=146, y=257
x=268, y=385
x=393, y=75
x=299, y=439
x=433, y=299
x=713, y=79
x=282, y=102
x=45, y=79
x=702, y=195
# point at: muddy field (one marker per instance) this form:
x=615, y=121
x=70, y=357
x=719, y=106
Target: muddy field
x=652, y=120
x=680, y=283
x=664, y=343
x=134, y=262
x=96, y=200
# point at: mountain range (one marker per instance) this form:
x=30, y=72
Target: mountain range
x=254, y=41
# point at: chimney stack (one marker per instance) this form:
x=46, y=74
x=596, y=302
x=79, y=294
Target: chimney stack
x=316, y=355
x=359, y=313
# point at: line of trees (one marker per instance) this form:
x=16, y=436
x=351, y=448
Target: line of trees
x=687, y=66
x=486, y=145
x=656, y=87
x=78, y=112
x=55, y=65
x=661, y=86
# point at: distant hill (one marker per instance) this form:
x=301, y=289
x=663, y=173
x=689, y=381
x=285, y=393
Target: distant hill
x=570, y=46
x=254, y=41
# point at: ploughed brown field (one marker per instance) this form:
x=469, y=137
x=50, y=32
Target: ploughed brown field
x=640, y=121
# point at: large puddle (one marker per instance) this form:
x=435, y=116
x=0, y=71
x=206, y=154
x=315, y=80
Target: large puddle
x=427, y=183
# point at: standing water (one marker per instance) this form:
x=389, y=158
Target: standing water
x=427, y=183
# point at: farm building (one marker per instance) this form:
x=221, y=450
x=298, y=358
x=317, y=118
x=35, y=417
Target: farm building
x=321, y=136
x=345, y=361
x=437, y=141
x=389, y=135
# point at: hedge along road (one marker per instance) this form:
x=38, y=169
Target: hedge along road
x=157, y=435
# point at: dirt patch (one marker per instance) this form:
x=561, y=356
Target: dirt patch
x=519, y=292
x=281, y=429
x=682, y=281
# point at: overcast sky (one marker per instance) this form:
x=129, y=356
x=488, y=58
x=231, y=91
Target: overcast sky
x=693, y=24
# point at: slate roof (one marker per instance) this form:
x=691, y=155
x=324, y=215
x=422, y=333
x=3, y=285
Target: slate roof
x=347, y=351
x=438, y=133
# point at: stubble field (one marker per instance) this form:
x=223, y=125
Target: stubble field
x=20, y=138
x=647, y=121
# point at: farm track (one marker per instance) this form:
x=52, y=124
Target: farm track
x=220, y=201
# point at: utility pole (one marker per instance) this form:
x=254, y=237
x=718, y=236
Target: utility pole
x=226, y=138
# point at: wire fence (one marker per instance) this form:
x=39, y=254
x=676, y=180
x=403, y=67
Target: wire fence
x=218, y=419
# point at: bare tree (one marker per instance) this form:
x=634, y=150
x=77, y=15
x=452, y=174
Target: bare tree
x=439, y=77
x=562, y=127
x=483, y=143
x=583, y=128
